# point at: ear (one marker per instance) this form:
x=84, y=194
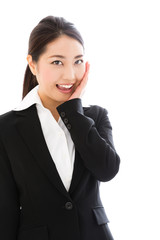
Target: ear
x=32, y=64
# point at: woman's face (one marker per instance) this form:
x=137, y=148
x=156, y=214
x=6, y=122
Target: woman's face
x=59, y=70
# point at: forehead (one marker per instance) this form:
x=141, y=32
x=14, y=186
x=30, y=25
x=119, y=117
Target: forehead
x=64, y=45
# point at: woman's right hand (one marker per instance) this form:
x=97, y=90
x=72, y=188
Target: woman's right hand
x=80, y=89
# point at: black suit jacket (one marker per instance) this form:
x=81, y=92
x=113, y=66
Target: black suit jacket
x=34, y=204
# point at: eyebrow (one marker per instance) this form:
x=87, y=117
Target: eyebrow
x=63, y=57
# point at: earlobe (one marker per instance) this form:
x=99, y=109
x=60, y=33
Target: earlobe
x=31, y=64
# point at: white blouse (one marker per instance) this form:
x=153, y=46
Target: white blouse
x=56, y=135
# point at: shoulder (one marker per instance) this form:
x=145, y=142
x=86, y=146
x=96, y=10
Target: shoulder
x=95, y=109
x=6, y=117
x=6, y=122
x=95, y=112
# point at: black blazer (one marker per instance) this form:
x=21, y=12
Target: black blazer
x=34, y=204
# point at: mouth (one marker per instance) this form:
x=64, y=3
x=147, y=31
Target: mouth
x=65, y=88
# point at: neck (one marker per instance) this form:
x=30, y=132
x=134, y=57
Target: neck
x=52, y=106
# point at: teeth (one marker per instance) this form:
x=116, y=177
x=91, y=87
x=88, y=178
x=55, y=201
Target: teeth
x=66, y=86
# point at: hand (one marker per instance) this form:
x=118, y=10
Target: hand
x=80, y=89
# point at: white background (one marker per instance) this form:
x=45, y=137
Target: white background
x=122, y=41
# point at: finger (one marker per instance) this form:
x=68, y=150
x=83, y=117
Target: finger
x=87, y=69
x=80, y=88
x=85, y=78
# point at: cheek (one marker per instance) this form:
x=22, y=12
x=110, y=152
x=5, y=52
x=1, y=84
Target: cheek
x=47, y=76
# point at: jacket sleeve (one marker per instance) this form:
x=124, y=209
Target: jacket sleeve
x=92, y=137
x=9, y=207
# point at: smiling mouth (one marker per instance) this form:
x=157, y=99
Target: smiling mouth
x=65, y=88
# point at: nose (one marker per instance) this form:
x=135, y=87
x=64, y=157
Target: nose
x=69, y=74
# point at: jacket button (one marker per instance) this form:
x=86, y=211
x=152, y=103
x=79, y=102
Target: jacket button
x=68, y=205
x=62, y=114
x=66, y=120
x=69, y=126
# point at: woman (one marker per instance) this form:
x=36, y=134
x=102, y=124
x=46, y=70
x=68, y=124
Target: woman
x=53, y=151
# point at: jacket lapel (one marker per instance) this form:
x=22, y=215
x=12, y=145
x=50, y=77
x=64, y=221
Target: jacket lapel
x=78, y=167
x=77, y=172
x=28, y=125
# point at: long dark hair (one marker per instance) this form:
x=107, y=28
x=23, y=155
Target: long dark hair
x=47, y=30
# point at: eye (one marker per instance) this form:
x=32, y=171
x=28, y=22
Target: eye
x=57, y=62
x=79, y=61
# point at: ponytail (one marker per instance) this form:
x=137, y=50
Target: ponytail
x=29, y=83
